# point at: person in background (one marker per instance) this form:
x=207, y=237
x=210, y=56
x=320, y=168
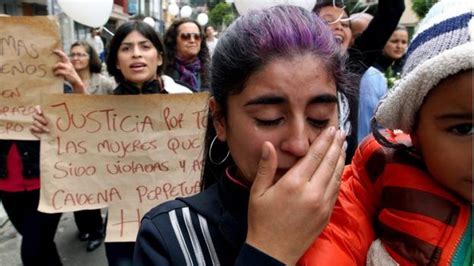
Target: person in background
x=373, y=84
x=366, y=48
x=20, y=187
x=96, y=42
x=187, y=55
x=20, y=192
x=393, y=57
x=279, y=168
x=135, y=60
x=211, y=39
x=86, y=63
x=408, y=193
x=368, y=45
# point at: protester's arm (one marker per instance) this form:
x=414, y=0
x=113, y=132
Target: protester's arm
x=372, y=41
x=65, y=69
x=286, y=215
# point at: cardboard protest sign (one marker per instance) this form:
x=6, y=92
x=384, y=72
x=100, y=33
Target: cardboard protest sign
x=129, y=153
x=26, y=71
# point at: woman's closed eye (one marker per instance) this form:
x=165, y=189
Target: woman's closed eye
x=318, y=123
x=268, y=122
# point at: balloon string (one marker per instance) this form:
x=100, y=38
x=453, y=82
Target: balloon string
x=108, y=31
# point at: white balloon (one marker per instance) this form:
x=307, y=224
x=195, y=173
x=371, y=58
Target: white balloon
x=202, y=19
x=150, y=21
x=91, y=13
x=173, y=9
x=244, y=6
x=186, y=11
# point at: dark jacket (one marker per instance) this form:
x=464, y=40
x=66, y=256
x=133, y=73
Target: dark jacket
x=150, y=87
x=174, y=73
x=29, y=152
x=206, y=229
x=365, y=51
x=369, y=45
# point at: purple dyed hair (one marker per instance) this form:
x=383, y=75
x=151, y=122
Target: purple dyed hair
x=254, y=40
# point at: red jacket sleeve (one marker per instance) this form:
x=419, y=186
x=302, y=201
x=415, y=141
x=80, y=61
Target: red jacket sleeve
x=349, y=234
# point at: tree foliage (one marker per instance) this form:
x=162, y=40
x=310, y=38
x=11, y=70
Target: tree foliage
x=221, y=14
x=421, y=7
x=210, y=3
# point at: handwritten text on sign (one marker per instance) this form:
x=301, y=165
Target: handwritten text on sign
x=26, y=63
x=129, y=153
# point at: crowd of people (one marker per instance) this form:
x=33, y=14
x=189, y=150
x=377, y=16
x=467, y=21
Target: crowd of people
x=313, y=154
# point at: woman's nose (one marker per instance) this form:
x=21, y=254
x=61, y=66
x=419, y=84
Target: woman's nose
x=337, y=25
x=136, y=52
x=297, y=140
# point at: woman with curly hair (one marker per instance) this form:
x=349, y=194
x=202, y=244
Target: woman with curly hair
x=187, y=55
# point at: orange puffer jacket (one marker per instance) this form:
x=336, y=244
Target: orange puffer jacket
x=388, y=194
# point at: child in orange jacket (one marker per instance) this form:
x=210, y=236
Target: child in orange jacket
x=406, y=199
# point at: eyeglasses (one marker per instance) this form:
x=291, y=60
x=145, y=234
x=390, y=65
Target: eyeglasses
x=78, y=55
x=186, y=36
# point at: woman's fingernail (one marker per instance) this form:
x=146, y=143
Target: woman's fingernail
x=332, y=130
x=342, y=134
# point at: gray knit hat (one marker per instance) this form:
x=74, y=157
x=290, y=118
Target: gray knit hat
x=442, y=46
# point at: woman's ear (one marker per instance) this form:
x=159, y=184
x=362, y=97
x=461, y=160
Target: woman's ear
x=160, y=59
x=217, y=119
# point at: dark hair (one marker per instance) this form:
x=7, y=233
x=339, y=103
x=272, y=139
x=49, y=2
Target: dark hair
x=95, y=66
x=401, y=27
x=122, y=32
x=250, y=43
x=317, y=8
x=171, y=43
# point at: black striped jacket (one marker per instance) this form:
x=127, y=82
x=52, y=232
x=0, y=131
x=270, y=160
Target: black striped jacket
x=206, y=229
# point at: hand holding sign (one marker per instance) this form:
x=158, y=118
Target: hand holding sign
x=25, y=71
x=125, y=152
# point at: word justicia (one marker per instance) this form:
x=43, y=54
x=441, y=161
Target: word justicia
x=101, y=120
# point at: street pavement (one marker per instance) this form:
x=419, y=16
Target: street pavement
x=72, y=251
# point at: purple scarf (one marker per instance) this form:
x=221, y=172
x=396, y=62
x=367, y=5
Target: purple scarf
x=189, y=73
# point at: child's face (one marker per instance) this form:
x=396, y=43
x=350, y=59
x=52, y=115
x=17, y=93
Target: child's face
x=444, y=133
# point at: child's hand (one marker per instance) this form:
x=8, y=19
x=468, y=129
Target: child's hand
x=40, y=123
x=287, y=215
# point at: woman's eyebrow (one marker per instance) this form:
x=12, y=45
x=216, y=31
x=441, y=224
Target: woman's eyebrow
x=456, y=116
x=270, y=99
x=131, y=43
x=266, y=100
x=323, y=98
